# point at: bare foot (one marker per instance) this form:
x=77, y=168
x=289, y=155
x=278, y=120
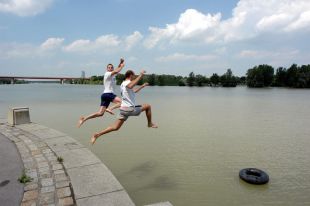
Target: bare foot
x=93, y=139
x=152, y=125
x=109, y=111
x=81, y=121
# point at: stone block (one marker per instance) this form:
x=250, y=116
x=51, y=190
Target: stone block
x=119, y=198
x=18, y=115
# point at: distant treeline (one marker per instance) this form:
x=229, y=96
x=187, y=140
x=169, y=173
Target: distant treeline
x=225, y=80
x=259, y=76
x=264, y=76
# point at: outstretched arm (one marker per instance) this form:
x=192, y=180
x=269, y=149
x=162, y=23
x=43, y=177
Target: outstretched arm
x=135, y=90
x=136, y=80
x=119, y=68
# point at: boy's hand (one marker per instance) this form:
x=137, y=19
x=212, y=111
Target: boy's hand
x=145, y=84
x=142, y=71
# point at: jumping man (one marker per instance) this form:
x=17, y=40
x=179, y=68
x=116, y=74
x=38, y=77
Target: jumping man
x=108, y=94
x=128, y=106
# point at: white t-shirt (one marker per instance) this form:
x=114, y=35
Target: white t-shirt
x=128, y=95
x=109, y=82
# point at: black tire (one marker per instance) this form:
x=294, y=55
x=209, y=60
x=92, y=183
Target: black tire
x=254, y=176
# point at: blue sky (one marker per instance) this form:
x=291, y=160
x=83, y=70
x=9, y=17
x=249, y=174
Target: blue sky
x=64, y=37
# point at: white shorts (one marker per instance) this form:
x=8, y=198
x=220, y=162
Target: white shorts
x=131, y=111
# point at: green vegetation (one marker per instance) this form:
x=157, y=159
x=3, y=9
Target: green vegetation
x=295, y=76
x=259, y=76
x=24, y=178
x=60, y=159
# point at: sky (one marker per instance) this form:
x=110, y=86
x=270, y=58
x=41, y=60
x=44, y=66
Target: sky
x=65, y=37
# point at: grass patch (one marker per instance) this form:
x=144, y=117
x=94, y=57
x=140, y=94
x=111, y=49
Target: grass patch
x=24, y=178
x=60, y=159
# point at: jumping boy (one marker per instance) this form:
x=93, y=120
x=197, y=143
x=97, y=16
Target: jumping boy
x=108, y=95
x=128, y=105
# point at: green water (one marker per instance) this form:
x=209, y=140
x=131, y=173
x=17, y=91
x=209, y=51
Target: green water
x=205, y=136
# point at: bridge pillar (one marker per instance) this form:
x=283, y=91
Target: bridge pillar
x=62, y=81
x=12, y=81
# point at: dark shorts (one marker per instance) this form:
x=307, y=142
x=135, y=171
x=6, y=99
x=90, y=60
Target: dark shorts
x=106, y=99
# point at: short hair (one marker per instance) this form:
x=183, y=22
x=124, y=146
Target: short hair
x=110, y=65
x=129, y=73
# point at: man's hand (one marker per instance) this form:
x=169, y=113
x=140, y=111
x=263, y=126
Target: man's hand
x=142, y=72
x=121, y=63
x=145, y=84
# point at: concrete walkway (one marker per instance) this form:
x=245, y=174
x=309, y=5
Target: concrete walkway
x=11, y=191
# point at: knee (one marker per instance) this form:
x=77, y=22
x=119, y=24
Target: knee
x=148, y=106
x=100, y=113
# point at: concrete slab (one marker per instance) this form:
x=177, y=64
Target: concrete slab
x=63, y=143
x=47, y=133
x=92, y=180
x=31, y=127
x=161, y=204
x=77, y=157
x=119, y=198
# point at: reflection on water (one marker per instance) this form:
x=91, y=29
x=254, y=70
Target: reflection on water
x=205, y=136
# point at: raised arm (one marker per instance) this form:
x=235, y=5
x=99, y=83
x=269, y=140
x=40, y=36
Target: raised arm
x=119, y=68
x=136, y=80
x=135, y=90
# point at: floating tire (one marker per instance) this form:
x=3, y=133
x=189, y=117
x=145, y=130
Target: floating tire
x=254, y=176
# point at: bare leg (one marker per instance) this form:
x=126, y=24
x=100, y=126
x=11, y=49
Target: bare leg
x=111, y=128
x=117, y=104
x=148, y=112
x=94, y=115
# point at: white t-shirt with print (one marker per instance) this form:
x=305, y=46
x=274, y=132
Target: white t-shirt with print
x=128, y=95
x=109, y=82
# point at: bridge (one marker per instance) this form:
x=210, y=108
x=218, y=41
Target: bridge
x=61, y=79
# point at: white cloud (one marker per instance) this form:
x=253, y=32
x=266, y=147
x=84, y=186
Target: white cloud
x=132, y=40
x=52, y=43
x=24, y=7
x=192, y=23
x=263, y=54
x=185, y=57
x=250, y=18
x=105, y=43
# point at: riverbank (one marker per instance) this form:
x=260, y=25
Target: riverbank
x=80, y=179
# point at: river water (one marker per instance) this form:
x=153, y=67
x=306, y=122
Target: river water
x=205, y=136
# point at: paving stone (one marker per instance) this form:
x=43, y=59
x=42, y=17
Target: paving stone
x=32, y=173
x=30, y=195
x=92, y=180
x=119, y=198
x=61, y=184
x=42, y=164
x=61, y=177
x=47, y=189
x=36, y=152
x=29, y=203
x=85, y=157
x=40, y=159
x=56, y=166
x=67, y=201
x=63, y=143
x=63, y=192
x=57, y=172
x=47, y=182
x=47, y=198
x=44, y=169
x=30, y=186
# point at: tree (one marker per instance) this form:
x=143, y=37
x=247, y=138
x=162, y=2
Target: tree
x=215, y=79
x=191, y=79
x=200, y=80
x=260, y=76
x=151, y=79
x=228, y=80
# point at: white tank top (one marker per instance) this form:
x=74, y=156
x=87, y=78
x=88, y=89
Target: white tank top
x=128, y=95
x=109, y=82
